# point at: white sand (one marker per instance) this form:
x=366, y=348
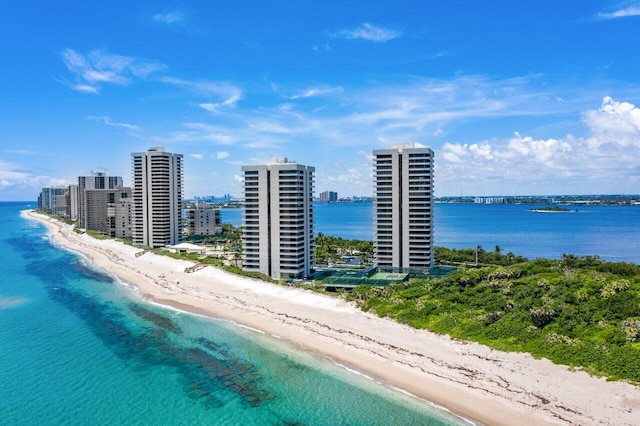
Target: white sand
x=471, y=380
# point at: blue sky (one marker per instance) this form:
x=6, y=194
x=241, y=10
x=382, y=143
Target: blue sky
x=514, y=97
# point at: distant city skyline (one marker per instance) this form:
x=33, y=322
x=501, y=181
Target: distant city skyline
x=513, y=98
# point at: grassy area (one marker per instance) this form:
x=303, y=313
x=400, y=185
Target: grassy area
x=99, y=235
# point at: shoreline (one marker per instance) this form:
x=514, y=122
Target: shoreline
x=467, y=379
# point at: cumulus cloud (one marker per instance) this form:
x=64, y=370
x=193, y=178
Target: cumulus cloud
x=221, y=155
x=616, y=123
x=368, y=32
x=604, y=160
x=100, y=67
x=197, y=156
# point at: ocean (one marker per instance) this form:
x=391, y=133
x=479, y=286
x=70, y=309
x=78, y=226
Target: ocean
x=612, y=232
x=79, y=347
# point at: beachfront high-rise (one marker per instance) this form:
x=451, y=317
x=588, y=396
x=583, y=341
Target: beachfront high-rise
x=51, y=200
x=109, y=211
x=403, y=187
x=97, y=180
x=156, y=214
x=278, y=219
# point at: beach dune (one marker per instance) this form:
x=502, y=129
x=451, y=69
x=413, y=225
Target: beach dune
x=471, y=380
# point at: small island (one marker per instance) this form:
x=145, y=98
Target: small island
x=554, y=209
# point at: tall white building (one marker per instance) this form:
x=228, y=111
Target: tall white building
x=278, y=218
x=403, y=189
x=156, y=214
x=97, y=180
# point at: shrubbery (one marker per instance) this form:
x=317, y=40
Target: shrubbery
x=577, y=311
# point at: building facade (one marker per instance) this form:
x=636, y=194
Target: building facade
x=156, y=216
x=97, y=180
x=279, y=239
x=403, y=187
x=49, y=198
x=203, y=219
x=109, y=211
x=72, y=202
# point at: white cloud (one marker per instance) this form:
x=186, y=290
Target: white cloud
x=221, y=155
x=85, y=88
x=428, y=110
x=170, y=18
x=227, y=92
x=315, y=91
x=199, y=132
x=197, y=156
x=99, y=67
x=633, y=10
x=323, y=47
x=412, y=109
x=615, y=123
x=266, y=126
x=106, y=120
x=368, y=32
x=603, y=161
x=13, y=176
x=367, y=155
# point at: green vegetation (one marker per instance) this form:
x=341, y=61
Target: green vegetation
x=447, y=256
x=215, y=261
x=127, y=241
x=578, y=311
x=61, y=218
x=98, y=235
x=229, y=234
x=549, y=209
x=331, y=249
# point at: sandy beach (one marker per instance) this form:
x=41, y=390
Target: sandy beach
x=471, y=380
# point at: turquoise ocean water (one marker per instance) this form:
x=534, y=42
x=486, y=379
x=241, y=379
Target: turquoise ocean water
x=76, y=347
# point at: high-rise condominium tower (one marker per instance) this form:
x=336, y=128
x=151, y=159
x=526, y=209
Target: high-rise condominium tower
x=97, y=180
x=278, y=219
x=403, y=184
x=156, y=215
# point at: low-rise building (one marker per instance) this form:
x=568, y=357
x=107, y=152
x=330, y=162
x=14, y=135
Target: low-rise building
x=203, y=219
